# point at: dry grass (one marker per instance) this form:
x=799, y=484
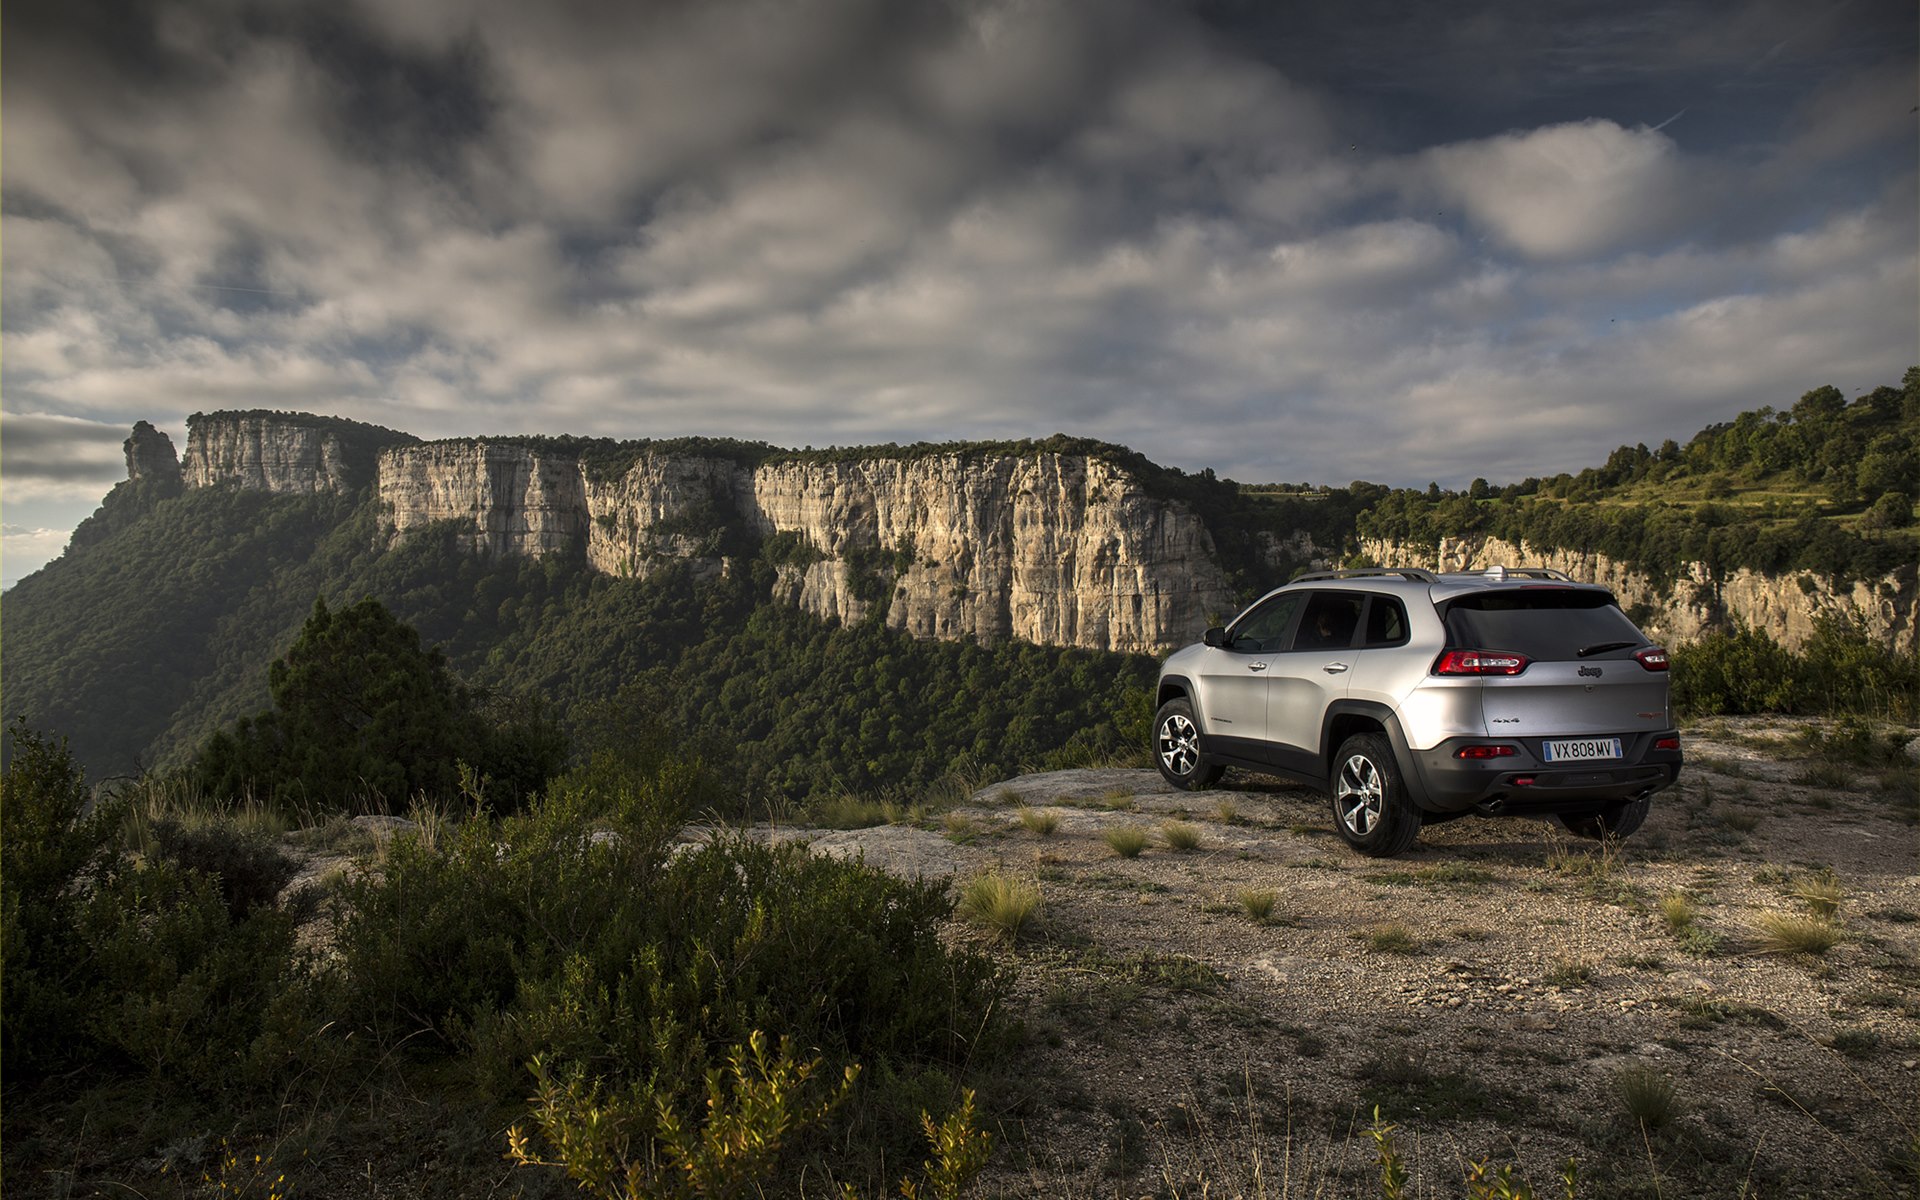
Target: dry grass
x=1180, y=835
x=1043, y=821
x=1003, y=904
x=1258, y=904
x=1127, y=840
x=1647, y=1095
x=1792, y=933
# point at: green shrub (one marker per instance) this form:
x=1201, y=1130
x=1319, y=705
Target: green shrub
x=570, y=933
x=49, y=842
x=247, y=868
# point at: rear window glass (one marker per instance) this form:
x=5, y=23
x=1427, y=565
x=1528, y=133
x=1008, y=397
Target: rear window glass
x=1386, y=622
x=1548, y=624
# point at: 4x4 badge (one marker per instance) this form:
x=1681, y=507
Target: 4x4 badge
x=1595, y=672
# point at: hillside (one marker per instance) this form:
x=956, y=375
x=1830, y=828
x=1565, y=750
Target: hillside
x=857, y=619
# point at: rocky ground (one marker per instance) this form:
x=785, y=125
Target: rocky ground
x=1502, y=992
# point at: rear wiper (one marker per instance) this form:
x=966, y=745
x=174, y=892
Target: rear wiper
x=1603, y=647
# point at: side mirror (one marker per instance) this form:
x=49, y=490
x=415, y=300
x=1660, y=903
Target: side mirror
x=1215, y=637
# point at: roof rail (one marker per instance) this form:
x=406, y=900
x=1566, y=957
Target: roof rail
x=1414, y=573
x=1503, y=572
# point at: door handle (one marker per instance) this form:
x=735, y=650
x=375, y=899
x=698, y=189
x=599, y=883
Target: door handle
x=1256, y=666
x=1334, y=668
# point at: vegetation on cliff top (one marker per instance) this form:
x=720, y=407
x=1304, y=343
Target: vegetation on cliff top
x=1825, y=486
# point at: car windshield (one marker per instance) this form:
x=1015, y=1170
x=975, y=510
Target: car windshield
x=1545, y=624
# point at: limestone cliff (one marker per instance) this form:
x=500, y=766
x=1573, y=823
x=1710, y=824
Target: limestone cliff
x=286, y=453
x=1698, y=601
x=508, y=499
x=1058, y=549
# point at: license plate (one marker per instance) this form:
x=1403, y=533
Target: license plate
x=1582, y=750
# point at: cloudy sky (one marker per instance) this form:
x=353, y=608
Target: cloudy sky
x=1318, y=240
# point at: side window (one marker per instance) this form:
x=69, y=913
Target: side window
x=1386, y=622
x=1330, y=621
x=1265, y=628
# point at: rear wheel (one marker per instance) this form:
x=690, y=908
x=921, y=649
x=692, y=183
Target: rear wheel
x=1176, y=748
x=1616, y=820
x=1371, y=808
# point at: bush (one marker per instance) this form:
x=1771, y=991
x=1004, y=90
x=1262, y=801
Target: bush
x=247, y=868
x=50, y=841
x=1000, y=903
x=571, y=934
x=1126, y=840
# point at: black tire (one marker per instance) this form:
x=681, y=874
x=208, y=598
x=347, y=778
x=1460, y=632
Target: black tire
x=1371, y=809
x=1615, y=821
x=1176, y=748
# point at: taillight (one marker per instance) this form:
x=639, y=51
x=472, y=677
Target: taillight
x=1484, y=752
x=1653, y=658
x=1480, y=662
x=1667, y=743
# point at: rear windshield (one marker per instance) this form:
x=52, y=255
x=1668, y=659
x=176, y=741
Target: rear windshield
x=1547, y=624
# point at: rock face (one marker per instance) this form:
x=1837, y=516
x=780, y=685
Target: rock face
x=507, y=499
x=263, y=452
x=151, y=457
x=1698, y=601
x=1057, y=549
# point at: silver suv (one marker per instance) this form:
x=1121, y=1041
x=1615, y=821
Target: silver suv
x=1412, y=698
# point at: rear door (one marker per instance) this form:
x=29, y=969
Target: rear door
x=1582, y=677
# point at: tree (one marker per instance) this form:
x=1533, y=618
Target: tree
x=363, y=711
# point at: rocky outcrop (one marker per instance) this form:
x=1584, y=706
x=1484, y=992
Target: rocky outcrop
x=1058, y=549
x=1697, y=601
x=151, y=458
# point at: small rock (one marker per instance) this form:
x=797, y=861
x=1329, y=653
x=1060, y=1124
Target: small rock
x=1454, y=1002
x=1910, y=1064
x=1505, y=987
x=1913, y=750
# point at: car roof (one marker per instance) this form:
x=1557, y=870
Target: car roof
x=1439, y=586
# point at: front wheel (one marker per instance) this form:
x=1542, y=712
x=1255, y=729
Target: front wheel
x=1614, y=821
x=1371, y=808
x=1176, y=748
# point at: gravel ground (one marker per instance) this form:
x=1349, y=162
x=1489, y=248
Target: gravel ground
x=1489, y=990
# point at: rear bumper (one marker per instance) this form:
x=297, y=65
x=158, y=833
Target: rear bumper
x=1523, y=784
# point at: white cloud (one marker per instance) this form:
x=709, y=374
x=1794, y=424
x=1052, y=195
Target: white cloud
x=1566, y=189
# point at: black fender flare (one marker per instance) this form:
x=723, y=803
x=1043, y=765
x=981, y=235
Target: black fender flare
x=1389, y=721
x=1179, y=685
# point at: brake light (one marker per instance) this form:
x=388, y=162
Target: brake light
x=1667, y=743
x=1484, y=752
x=1480, y=662
x=1653, y=658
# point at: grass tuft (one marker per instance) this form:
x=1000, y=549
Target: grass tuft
x=1822, y=895
x=1393, y=938
x=1127, y=840
x=1570, y=973
x=1043, y=821
x=1226, y=812
x=1003, y=904
x=1792, y=933
x=1258, y=903
x=1678, y=912
x=1180, y=835
x=1647, y=1095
